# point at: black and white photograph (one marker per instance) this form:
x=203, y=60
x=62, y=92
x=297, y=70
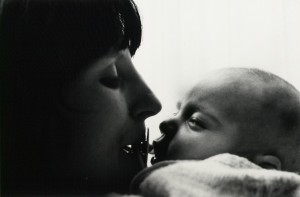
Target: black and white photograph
x=150, y=98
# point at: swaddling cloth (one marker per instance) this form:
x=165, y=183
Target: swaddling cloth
x=224, y=175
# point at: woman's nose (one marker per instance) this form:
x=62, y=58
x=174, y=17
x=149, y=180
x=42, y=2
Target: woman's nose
x=149, y=106
x=146, y=103
x=169, y=127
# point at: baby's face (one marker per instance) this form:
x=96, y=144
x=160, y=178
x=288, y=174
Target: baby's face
x=204, y=125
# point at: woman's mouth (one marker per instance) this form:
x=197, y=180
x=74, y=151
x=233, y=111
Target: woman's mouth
x=140, y=149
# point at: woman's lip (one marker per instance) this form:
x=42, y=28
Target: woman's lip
x=136, y=157
x=137, y=135
x=140, y=148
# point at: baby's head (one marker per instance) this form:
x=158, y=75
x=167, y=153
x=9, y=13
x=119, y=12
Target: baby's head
x=247, y=112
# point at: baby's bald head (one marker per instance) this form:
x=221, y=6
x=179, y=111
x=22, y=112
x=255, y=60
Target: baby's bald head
x=266, y=109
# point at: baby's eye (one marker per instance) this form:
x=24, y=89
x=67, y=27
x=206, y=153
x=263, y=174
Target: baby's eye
x=110, y=82
x=196, y=124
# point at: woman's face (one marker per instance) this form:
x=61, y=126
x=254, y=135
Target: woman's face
x=105, y=107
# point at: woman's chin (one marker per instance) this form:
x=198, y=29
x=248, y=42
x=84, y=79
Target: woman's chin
x=132, y=163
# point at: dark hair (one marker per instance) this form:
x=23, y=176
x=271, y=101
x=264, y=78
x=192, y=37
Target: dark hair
x=58, y=37
x=43, y=44
x=46, y=42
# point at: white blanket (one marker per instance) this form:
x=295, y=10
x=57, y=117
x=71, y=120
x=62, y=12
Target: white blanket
x=223, y=175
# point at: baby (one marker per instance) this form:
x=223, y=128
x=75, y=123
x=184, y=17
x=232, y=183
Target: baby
x=236, y=133
x=243, y=111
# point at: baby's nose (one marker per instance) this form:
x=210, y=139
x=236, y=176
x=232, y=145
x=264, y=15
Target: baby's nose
x=169, y=127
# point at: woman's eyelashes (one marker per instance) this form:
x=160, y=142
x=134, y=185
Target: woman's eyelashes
x=112, y=82
x=110, y=77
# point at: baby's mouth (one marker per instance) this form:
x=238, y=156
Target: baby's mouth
x=140, y=149
x=160, y=148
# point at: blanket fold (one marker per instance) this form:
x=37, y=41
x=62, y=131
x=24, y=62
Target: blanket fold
x=223, y=175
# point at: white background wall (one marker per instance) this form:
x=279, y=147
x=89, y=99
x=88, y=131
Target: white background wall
x=183, y=39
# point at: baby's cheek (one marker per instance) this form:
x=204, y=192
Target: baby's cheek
x=179, y=148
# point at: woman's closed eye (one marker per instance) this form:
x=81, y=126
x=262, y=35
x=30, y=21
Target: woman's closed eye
x=112, y=82
x=110, y=77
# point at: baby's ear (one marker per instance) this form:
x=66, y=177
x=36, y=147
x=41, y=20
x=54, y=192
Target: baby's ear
x=268, y=161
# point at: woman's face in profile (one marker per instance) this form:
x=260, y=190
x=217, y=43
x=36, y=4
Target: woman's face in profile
x=105, y=108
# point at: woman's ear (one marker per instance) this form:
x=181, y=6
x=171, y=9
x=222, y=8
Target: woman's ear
x=268, y=161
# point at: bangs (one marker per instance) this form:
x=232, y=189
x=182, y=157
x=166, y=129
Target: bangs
x=99, y=25
x=67, y=32
x=44, y=43
x=119, y=24
x=131, y=30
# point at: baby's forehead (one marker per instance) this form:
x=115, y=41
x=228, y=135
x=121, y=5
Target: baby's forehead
x=239, y=92
x=230, y=79
x=235, y=98
x=226, y=89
